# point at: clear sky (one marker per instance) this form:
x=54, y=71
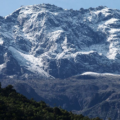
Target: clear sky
x=8, y=6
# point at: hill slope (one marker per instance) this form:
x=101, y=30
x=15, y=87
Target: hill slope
x=14, y=106
x=90, y=94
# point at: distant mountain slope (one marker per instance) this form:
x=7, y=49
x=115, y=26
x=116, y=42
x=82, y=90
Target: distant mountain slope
x=90, y=94
x=15, y=106
x=45, y=41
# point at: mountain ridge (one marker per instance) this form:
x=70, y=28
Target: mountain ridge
x=47, y=41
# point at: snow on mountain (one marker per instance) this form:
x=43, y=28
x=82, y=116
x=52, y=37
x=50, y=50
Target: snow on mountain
x=28, y=61
x=48, y=41
x=99, y=74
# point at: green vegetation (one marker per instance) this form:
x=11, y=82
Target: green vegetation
x=14, y=106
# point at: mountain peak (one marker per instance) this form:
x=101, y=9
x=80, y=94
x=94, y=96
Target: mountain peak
x=48, y=41
x=101, y=7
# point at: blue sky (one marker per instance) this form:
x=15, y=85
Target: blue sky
x=8, y=6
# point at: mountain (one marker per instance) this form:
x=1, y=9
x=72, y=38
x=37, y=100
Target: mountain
x=45, y=41
x=68, y=58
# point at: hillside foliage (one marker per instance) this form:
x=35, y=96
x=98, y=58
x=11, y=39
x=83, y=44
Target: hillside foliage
x=14, y=106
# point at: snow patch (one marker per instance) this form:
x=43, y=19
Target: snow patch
x=1, y=41
x=29, y=61
x=99, y=74
x=112, y=31
x=2, y=66
x=103, y=11
x=111, y=21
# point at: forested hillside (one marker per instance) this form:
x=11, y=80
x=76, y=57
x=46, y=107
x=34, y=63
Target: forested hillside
x=14, y=106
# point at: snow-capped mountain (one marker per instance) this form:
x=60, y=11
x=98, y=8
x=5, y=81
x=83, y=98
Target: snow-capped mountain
x=46, y=41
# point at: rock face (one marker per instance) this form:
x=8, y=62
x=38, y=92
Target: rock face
x=45, y=41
